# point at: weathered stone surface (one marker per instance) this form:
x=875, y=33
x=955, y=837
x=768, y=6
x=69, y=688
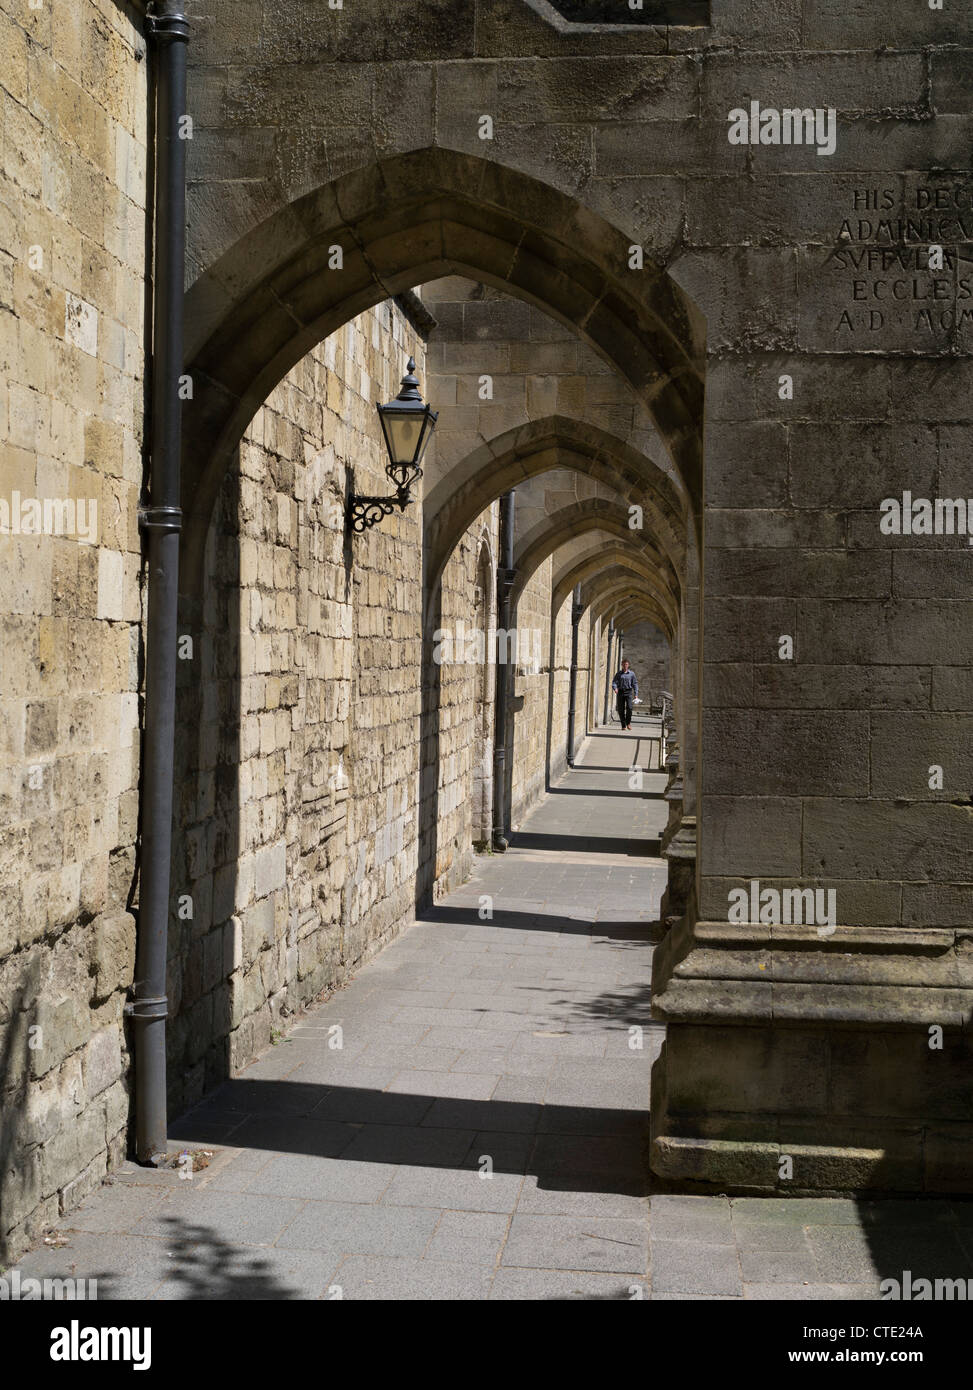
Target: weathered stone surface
x=327, y=775
x=855, y=838
x=752, y=835
x=912, y=753
x=776, y=752
x=793, y=685
x=73, y=237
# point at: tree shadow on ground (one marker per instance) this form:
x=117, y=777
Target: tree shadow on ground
x=206, y=1268
x=620, y=1008
x=200, y=1267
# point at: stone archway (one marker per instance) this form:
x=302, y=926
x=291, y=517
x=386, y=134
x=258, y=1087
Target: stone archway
x=313, y=264
x=615, y=598
x=570, y=524
x=541, y=447
x=609, y=559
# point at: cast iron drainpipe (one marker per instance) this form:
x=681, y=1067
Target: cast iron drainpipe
x=162, y=519
x=576, y=612
x=505, y=579
x=608, y=672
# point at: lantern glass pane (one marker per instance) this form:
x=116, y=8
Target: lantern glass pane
x=403, y=433
x=428, y=426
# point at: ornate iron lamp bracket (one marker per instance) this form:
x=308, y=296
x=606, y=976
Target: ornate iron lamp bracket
x=407, y=426
x=364, y=512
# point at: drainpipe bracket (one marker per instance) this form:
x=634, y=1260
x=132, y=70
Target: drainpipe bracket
x=165, y=28
x=160, y=519
x=145, y=1010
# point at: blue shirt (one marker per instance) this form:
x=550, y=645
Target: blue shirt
x=626, y=682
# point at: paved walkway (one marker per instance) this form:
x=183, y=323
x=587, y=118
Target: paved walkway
x=481, y=1131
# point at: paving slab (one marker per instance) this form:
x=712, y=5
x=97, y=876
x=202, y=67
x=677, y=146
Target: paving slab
x=469, y=1237
x=386, y=1279
x=360, y=1229
x=481, y=1131
x=681, y=1266
x=577, y=1242
x=526, y=1285
x=451, y=1190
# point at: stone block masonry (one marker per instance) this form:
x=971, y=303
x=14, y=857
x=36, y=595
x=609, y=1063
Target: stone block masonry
x=73, y=246
x=636, y=287
x=309, y=746
x=648, y=651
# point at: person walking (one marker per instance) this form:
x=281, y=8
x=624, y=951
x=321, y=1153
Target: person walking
x=626, y=687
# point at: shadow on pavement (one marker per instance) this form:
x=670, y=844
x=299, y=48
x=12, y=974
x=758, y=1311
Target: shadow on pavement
x=568, y=1148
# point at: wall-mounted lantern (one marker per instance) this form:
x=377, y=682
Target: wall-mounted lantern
x=407, y=427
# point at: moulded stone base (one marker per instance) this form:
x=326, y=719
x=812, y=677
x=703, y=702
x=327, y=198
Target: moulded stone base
x=730, y=1104
x=850, y=1054
x=680, y=855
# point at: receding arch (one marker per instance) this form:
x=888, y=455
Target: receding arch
x=573, y=566
x=634, y=475
x=413, y=217
x=611, y=559
x=641, y=611
x=541, y=447
x=579, y=519
x=616, y=599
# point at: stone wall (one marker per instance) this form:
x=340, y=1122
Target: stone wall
x=601, y=671
x=290, y=823
x=531, y=697
x=461, y=754
x=330, y=786
x=542, y=693
x=648, y=651
x=73, y=251
x=561, y=686
x=483, y=693
x=836, y=653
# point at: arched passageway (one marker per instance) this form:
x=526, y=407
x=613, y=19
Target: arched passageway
x=411, y=218
x=328, y=773
x=386, y=779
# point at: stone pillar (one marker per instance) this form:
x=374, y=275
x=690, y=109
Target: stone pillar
x=673, y=798
x=680, y=854
x=795, y=1062
x=608, y=668
x=576, y=613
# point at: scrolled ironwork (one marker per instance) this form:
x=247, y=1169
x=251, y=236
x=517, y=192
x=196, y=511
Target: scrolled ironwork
x=364, y=512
